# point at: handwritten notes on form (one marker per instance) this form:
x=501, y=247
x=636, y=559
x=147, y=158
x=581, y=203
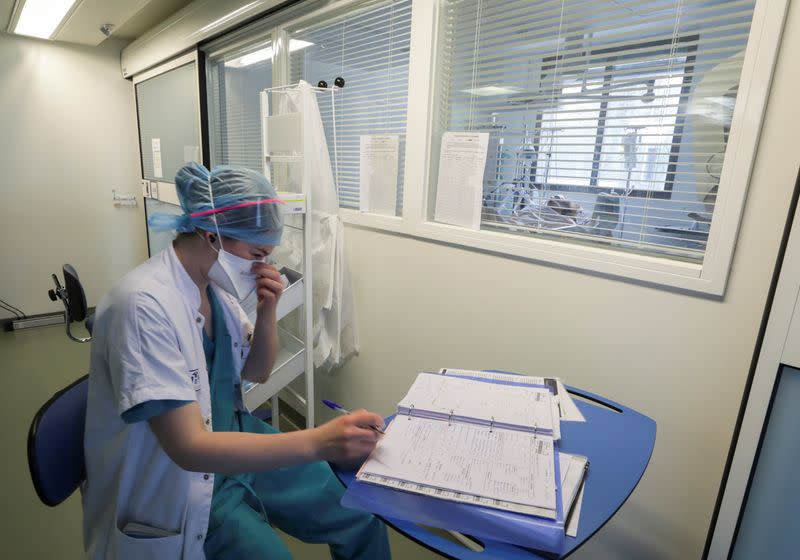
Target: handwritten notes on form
x=441, y=396
x=499, y=468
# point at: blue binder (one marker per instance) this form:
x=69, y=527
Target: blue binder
x=478, y=521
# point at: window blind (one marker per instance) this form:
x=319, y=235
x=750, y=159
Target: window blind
x=234, y=80
x=608, y=119
x=369, y=48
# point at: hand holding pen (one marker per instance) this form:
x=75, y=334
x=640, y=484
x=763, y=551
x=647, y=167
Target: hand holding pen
x=341, y=410
x=348, y=439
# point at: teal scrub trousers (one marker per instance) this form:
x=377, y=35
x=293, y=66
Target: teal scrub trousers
x=302, y=501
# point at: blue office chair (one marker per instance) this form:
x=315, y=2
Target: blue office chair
x=55, y=444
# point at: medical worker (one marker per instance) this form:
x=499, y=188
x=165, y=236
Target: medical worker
x=176, y=467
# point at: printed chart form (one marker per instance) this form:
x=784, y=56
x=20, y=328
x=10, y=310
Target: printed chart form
x=459, y=190
x=443, y=396
x=378, y=173
x=498, y=464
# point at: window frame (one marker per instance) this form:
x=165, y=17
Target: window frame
x=423, y=138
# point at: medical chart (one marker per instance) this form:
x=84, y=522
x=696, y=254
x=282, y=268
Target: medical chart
x=378, y=173
x=489, y=404
x=459, y=190
x=568, y=410
x=503, y=469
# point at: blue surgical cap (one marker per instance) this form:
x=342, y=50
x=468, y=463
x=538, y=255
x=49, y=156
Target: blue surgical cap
x=242, y=201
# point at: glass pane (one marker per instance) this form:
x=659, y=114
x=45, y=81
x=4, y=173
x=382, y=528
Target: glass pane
x=608, y=120
x=369, y=48
x=235, y=81
x=640, y=124
x=565, y=148
x=169, y=122
x=159, y=240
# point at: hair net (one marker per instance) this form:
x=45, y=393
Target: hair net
x=241, y=203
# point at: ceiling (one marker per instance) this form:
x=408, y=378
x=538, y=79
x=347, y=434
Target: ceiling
x=131, y=18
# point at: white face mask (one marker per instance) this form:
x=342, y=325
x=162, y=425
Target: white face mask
x=233, y=274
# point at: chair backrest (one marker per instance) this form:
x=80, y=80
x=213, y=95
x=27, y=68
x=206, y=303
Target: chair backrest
x=75, y=294
x=55, y=444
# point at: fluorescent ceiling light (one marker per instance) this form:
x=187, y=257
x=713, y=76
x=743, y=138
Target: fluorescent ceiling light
x=40, y=18
x=264, y=54
x=489, y=91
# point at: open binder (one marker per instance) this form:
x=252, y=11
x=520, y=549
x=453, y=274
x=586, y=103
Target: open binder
x=485, y=402
x=471, y=455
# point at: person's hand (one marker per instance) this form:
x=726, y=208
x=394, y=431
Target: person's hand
x=268, y=288
x=345, y=440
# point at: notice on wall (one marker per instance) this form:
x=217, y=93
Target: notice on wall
x=459, y=190
x=378, y=173
x=157, y=169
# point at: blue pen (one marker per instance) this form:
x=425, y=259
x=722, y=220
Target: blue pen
x=341, y=410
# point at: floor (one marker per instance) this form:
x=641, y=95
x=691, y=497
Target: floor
x=36, y=363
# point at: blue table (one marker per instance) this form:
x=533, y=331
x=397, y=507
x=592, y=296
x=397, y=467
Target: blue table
x=618, y=442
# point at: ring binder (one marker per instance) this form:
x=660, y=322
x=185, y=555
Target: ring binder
x=438, y=433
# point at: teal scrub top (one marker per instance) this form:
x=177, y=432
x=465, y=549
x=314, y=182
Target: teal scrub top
x=229, y=490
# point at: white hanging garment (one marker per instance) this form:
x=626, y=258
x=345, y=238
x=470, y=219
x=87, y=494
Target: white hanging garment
x=335, y=331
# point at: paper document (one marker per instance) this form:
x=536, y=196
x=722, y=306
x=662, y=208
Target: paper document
x=444, y=397
x=378, y=173
x=573, y=473
x=459, y=189
x=495, y=376
x=568, y=410
x=158, y=172
x=499, y=465
x=574, y=518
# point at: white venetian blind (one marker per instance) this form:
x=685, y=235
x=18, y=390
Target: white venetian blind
x=369, y=48
x=234, y=80
x=608, y=119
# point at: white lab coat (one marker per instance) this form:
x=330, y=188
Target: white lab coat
x=335, y=330
x=148, y=346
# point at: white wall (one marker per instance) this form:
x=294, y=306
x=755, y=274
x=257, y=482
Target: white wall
x=68, y=138
x=681, y=359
